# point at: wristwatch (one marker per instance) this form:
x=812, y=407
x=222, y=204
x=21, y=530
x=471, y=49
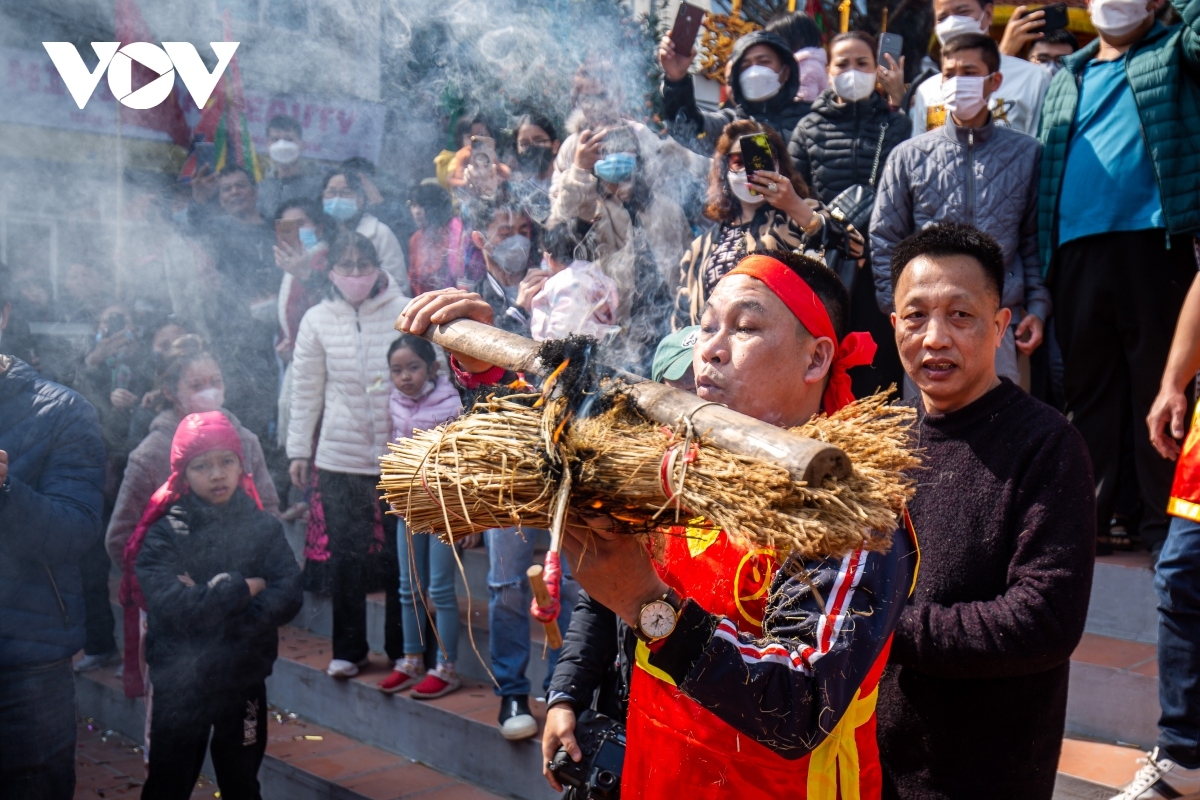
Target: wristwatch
x=657, y=618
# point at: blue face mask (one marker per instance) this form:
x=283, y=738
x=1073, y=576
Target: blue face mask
x=308, y=238
x=341, y=208
x=616, y=167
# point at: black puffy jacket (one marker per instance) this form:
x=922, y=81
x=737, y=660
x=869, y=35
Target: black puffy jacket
x=782, y=111
x=833, y=147
x=214, y=630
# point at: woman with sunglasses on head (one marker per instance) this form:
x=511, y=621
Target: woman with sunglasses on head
x=770, y=210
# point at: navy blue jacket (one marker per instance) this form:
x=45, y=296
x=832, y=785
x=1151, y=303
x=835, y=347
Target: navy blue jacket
x=50, y=508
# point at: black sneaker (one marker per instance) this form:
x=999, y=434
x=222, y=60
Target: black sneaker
x=516, y=722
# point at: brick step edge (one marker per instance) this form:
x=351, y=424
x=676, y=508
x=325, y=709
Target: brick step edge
x=99, y=696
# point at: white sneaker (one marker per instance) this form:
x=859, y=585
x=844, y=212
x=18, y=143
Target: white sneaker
x=1151, y=782
x=340, y=668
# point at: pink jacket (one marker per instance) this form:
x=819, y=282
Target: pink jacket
x=437, y=403
x=811, y=62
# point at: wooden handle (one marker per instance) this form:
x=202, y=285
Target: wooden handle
x=805, y=459
x=542, y=595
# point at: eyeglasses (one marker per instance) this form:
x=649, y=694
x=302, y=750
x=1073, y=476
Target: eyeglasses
x=539, y=142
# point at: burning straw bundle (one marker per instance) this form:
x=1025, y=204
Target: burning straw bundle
x=501, y=463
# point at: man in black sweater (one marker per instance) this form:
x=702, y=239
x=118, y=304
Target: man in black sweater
x=974, y=699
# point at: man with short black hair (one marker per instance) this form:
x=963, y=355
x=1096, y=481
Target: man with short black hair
x=1049, y=51
x=743, y=697
x=51, y=496
x=970, y=170
x=291, y=177
x=974, y=699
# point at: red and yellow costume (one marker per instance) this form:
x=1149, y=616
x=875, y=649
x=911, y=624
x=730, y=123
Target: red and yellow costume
x=715, y=709
x=1185, y=491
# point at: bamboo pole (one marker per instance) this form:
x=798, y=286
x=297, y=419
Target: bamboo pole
x=542, y=596
x=805, y=459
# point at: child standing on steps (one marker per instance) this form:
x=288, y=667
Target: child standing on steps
x=219, y=579
x=421, y=400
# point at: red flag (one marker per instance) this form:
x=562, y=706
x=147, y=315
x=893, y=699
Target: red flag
x=167, y=116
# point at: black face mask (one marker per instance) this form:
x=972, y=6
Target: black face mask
x=535, y=159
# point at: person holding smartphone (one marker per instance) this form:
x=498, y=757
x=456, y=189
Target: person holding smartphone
x=1016, y=103
x=769, y=209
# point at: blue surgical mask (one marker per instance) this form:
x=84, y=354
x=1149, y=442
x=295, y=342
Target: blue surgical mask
x=616, y=167
x=341, y=208
x=308, y=238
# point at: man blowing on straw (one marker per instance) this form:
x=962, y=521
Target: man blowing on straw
x=757, y=671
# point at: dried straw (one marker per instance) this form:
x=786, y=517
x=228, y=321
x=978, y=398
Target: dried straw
x=499, y=465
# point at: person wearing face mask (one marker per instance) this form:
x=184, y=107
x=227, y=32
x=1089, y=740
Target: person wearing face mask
x=598, y=103
x=1018, y=104
x=638, y=232
x=503, y=234
x=837, y=146
x=805, y=41
x=771, y=211
x=291, y=175
x=764, y=83
x=341, y=385
x=1049, y=51
x=344, y=200
x=305, y=282
x=1118, y=209
x=974, y=171
x=191, y=381
x=536, y=146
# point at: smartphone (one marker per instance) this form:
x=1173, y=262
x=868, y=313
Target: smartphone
x=288, y=230
x=483, y=151
x=891, y=44
x=687, y=24
x=206, y=156
x=1055, y=17
x=756, y=153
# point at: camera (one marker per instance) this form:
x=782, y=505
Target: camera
x=598, y=774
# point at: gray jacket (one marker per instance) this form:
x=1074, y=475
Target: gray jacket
x=987, y=177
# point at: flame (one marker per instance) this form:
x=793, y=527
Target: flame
x=548, y=386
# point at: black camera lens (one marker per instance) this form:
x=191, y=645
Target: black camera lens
x=606, y=779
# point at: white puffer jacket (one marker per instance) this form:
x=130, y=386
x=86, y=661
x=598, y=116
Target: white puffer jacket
x=341, y=381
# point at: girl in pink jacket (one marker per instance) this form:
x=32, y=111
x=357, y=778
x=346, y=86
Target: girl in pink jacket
x=421, y=400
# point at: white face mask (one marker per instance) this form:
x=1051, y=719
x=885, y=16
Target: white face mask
x=759, y=83
x=1117, y=18
x=853, y=85
x=284, y=152
x=953, y=26
x=741, y=188
x=205, y=400
x=963, y=95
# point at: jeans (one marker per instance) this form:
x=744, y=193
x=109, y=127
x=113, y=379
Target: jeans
x=1177, y=582
x=37, y=731
x=510, y=553
x=433, y=563
x=351, y=504
x=180, y=729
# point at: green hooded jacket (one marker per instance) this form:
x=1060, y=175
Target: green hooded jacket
x=1164, y=72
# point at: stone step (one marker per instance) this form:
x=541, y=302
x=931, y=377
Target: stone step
x=1089, y=770
x=458, y=734
x=1123, y=603
x=304, y=761
x=1113, y=694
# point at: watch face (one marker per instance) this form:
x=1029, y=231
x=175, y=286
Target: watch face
x=657, y=619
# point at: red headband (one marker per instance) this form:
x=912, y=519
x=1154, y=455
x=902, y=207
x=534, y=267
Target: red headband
x=857, y=349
